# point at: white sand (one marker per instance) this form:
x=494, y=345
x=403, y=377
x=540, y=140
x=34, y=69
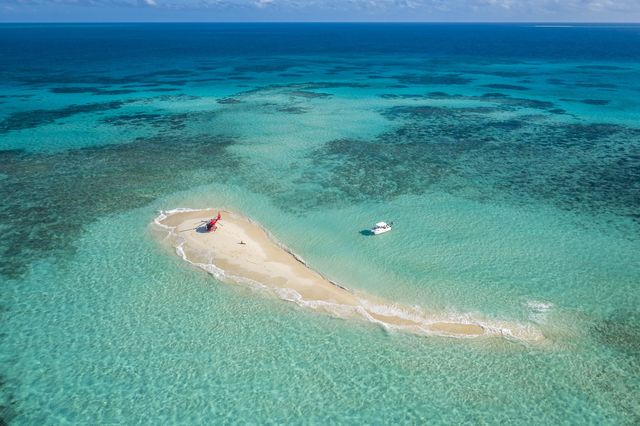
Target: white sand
x=262, y=260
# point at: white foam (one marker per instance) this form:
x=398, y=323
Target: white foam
x=212, y=269
x=539, y=306
x=538, y=310
x=166, y=213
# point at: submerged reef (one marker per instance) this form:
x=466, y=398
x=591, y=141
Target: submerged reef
x=473, y=153
x=34, y=118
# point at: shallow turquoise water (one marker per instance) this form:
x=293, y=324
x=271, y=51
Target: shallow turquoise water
x=512, y=181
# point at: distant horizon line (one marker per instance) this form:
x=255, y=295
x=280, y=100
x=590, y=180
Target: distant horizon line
x=550, y=23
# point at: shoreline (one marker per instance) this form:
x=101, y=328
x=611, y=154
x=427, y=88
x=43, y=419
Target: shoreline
x=264, y=262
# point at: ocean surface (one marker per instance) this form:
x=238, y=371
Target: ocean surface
x=507, y=156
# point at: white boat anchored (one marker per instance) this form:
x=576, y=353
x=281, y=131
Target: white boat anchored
x=381, y=228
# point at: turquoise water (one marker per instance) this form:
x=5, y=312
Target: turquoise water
x=510, y=171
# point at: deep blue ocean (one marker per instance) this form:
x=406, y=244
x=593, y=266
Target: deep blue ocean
x=507, y=156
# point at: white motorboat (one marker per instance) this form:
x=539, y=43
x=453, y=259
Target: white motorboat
x=381, y=228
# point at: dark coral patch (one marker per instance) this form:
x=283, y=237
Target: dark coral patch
x=602, y=67
x=91, y=90
x=431, y=111
x=227, y=101
x=494, y=95
x=588, y=101
x=522, y=102
x=163, y=89
x=468, y=153
x=513, y=124
x=97, y=79
x=303, y=87
x=431, y=79
x=505, y=101
x=293, y=109
x=441, y=95
x=620, y=331
x=329, y=85
x=8, y=400
x=309, y=95
x=74, y=89
x=35, y=118
x=73, y=188
x=162, y=73
x=595, y=101
x=275, y=66
x=556, y=82
x=499, y=73
x=115, y=92
x=240, y=77
x=405, y=96
x=595, y=85
x=165, y=122
x=500, y=98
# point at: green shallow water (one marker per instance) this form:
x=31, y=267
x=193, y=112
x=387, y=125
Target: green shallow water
x=142, y=333
x=512, y=182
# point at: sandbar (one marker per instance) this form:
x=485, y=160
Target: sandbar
x=240, y=251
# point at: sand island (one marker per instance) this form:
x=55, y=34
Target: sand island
x=240, y=251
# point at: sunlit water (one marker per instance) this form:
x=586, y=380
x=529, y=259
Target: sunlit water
x=508, y=158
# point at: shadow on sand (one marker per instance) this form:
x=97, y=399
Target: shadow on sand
x=202, y=229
